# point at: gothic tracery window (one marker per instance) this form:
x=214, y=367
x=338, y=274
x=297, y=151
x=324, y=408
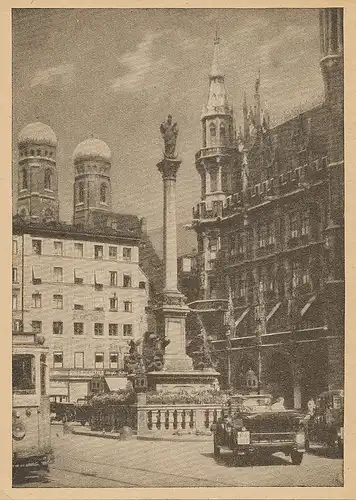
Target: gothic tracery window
x=24, y=179
x=81, y=192
x=103, y=193
x=48, y=179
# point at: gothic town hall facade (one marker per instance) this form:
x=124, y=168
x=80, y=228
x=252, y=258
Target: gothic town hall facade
x=270, y=231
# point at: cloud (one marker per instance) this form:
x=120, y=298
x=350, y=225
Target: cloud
x=144, y=70
x=62, y=75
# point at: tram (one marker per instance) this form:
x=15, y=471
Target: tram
x=31, y=433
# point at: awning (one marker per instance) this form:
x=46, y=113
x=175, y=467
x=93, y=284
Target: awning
x=99, y=277
x=36, y=272
x=116, y=383
x=274, y=310
x=307, y=305
x=78, y=273
x=242, y=316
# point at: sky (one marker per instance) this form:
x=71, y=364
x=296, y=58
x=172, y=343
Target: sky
x=117, y=73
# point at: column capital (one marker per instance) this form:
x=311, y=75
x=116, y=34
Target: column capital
x=169, y=168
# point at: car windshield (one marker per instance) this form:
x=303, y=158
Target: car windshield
x=260, y=403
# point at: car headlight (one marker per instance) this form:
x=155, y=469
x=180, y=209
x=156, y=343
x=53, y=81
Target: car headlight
x=300, y=438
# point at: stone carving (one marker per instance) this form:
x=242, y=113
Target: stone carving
x=174, y=300
x=133, y=360
x=169, y=133
x=153, y=351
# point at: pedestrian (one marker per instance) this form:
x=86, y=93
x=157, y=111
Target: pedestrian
x=311, y=407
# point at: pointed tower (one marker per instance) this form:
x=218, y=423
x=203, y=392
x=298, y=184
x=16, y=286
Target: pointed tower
x=38, y=177
x=213, y=161
x=216, y=165
x=92, y=186
x=332, y=67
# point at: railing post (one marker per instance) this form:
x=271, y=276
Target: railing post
x=141, y=414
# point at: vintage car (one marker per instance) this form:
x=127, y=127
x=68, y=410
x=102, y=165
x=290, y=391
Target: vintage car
x=326, y=425
x=250, y=426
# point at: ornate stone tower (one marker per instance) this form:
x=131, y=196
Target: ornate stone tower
x=332, y=66
x=215, y=163
x=38, y=177
x=92, y=187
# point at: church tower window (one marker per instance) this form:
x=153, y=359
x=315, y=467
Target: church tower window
x=103, y=193
x=24, y=179
x=222, y=134
x=212, y=131
x=81, y=192
x=48, y=179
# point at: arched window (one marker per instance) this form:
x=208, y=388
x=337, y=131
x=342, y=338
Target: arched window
x=23, y=212
x=81, y=192
x=212, y=130
x=103, y=193
x=32, y=152
x=48, y=214
x=222, y=134
x=48, y=179
x=38, y=152
x=24, y=179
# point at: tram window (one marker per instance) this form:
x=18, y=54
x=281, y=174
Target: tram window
x=43, y=374
x=23, y=374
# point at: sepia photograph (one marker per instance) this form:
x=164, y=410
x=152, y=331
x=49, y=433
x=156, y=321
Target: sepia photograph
x=178, y=281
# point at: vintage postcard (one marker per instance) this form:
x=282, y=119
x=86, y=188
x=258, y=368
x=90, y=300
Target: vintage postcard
x=178, y=252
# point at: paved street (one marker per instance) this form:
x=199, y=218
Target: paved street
x=92, y=462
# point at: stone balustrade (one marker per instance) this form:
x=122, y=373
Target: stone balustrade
x=170, y=419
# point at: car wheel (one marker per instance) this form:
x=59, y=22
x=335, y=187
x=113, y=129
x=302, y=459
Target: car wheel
x=216, y=449
x=297, y=457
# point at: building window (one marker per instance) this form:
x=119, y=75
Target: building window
x=262, y=236
x=186, y=264
x=112, y=253
x=305, y=277
x=127, y=331
x=78, y=328
x=127, y=306
x=58, y=360
x=294, y=229
x=14, y=275
x=99, y=303
x=113, y=304
x=57, y=248
x=37, y=247
x=271, y=234
x=36, y=300
x=99, y=329
x=79, y=360
x=103, y=193
x=58, y=274
x=305, y=223
x=78, y=250
x=212, y=131
x=114, y=360
x=14, y=302
x=113, y=278
x=126, y=253
x=58, y=301
x=57, y=327
x=37, y=326
x=14, y=247
x=242, y=288
x=48, y=179
x=17, y=326
x=99, y=360
x=24, y=179
x=142, y=285
x=295, y=274
x=127, y=281
x=113, y=330
x=81, y=192
x=78, y=277
x=98, y=251
x=78, y=305
x=324, y=162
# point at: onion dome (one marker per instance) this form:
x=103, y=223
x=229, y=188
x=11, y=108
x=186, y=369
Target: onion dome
x=37, y=133
x=92, y=149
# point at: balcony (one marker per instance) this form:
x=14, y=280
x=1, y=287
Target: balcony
x=215, y=151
